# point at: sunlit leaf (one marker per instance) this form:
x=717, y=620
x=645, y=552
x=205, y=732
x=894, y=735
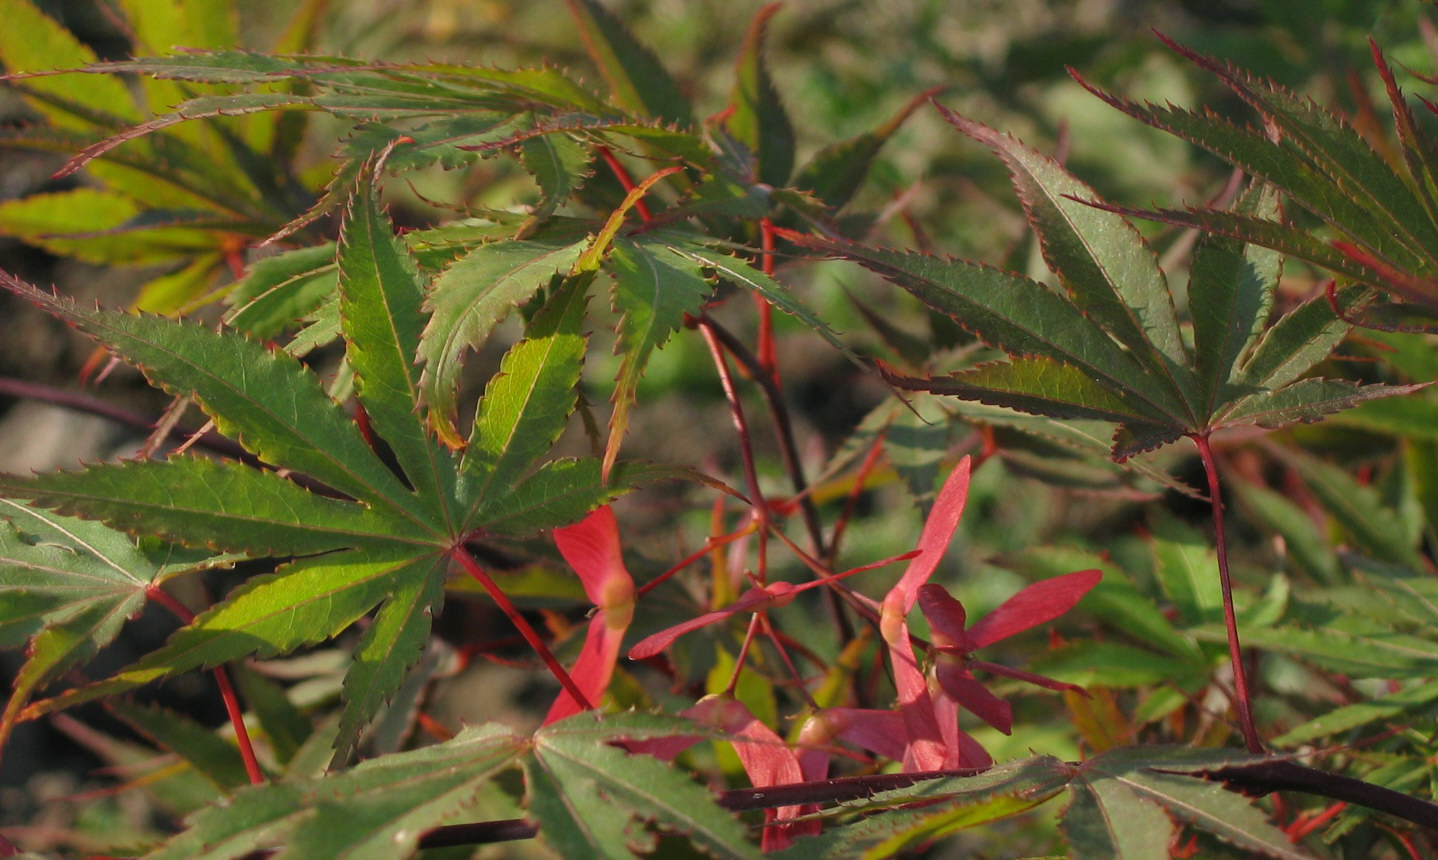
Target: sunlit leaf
x=655, y=288
x=470, y=297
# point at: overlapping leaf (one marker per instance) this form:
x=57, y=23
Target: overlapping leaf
x=638, y=81
x=1124, y=804
x=938, y=806
x=379, y=809
x=67, y=589
x=1385, y=217
x=367, y=535
x=1109, y=345
x=191, y=193
x=593, y=799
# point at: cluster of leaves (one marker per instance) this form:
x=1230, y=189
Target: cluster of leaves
x=367, y=493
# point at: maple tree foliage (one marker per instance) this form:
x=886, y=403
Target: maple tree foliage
x=375, y=476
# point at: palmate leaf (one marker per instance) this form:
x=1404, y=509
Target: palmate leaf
x=368, y=538
x=1109, y=346
x=304, y=602
x=381, y=293
x=379, y=809
x=1022, y=317
x=1387, y=219
x=226, y=505
x=526, y=405
x=67, y=586
x=1108, y=270
x=1124, y=802
x=265, y=399
x=592, y=799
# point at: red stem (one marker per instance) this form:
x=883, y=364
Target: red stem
x=227, y=689
x=768, y=629
x=1242, y=699
x=530, y=635
x=741, y=426
x=768, y=355
x=709, y=546
x=743, y=655
x=851, y=504
x=626, y=181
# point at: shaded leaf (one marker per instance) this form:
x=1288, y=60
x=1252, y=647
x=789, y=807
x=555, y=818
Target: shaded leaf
x=736, y=271
x=638, y=82
x=67, y=586
x=378, y=810
x=304, y=602
x=755, y=115
x=836, y=172
x=931, y=808
x=1231, y=291
x=391, y=644
x=210, y=755
x=592, y=799
x=1124, y=800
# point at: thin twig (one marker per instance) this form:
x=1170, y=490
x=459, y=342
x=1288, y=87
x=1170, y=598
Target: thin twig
x=783, y=425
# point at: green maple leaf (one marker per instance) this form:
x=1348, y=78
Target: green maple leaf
x=592, y=799
x=361, y=536
x=1124, y=804
x=1384, y=214
x=68, y=586
x=379, y=809
x=588, y=797
x=1109, y=343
